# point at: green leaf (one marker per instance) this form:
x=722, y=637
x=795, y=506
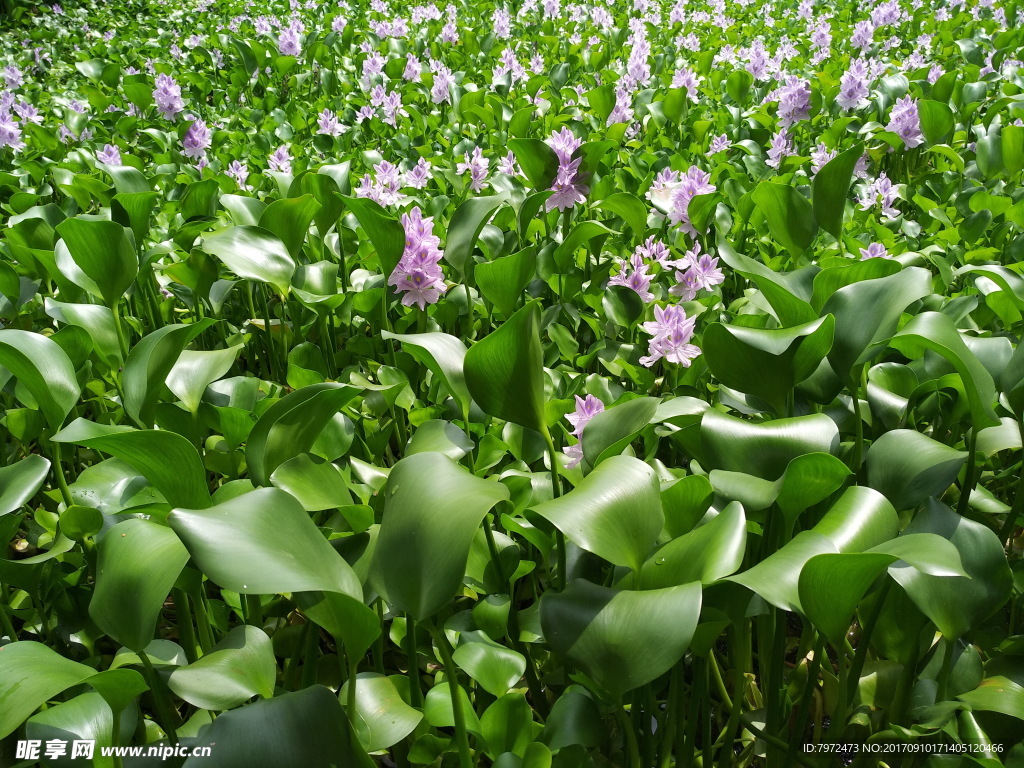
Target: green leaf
x=832, y=585
x=382, y=717
x=614, y=512
x=789, y=215
x=194, y=371
x=957, y=604
x=1013, y=148
x=503, y=280
x=133, y=210
x=443, y=355
x=609, y=432
x=996, y=694
x=44, y=369
x=621, y=639
x=30, y=675
x=767, y=363
x=289, y=219
x=788, y=293
x=495, y=667
x=20, y=481
x=315, y=482
x=868, y=311
x=253, y=253
x=763, y=450
x=937, y=120
x=263, y=542
x=706, y=554
x=582, y=233
x=386, y=233
x=830, y=189
x=138, y=563
x=432, y=510
x=908, y=467
x=98, y=322
x=291, y=426
x=300, y=728
x=935, y=332
x=148, y=364
x=102, y=251
x=439, y=436
x=630, y=209
x=464, y=229
x=538, y=161
x=241, y=666
x=505, y=370
x=168, y=460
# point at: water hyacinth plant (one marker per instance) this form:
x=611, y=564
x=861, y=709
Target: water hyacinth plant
x=545, y=384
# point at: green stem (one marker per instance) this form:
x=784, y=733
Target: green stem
x=253, y=610
x=415, y=694
x=461, y=735
x=163, y=704
x=122, y=340
x=684, y=756
x=838, y=725
x=805, y=700
x=62, y=481
x=183, y=620
x=353, y=672
x=115, y=734
x=668, y=726
x=632, y=749
x=205, y=630
x=969, y=476
x=5, y=620
x=775, y=742
x=867, y=630
x=858, y=422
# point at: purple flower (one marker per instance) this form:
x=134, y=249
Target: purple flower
x=240, y=173
x=502, y=21
x=167, y=96
x=281, y=160
x=794, y=101
x=413, y=68
x=635, y=279
x=419, y=176
x=28, y=113
x=339, y=24
x=197, y=140
x=654, y=251
x=874, y=251
x=671, y=331
x=568, y=187
x=694, y=182
x=477, y=167
x=719, y=144
x=329, y=125
x=853, y=86
x=110, y=155
x=688, y=79
x=781, y=147
x=288, y=43
x=443, y=81
x=586, y=409
x=10, y=132
x=821, y=155
x=418, y=275
x=904, y=121
x=13, y=77
x=880, y=192
x=705, y=273
x=509, y=166
x=663, y=188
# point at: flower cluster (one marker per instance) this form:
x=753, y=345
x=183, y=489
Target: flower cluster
x=586, y=409
x=904, y=121
x=672, y=331
x=167, y=96
x=418, y=275
x=568, y=187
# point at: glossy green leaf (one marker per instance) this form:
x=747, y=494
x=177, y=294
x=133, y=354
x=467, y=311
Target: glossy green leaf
x=138, y=563
x=908, y=467
x=44, y=369
x=306, y=727
x=103, y=252
x=98, y=322
x=957, y=604
x=383, y=718
x=495, y=667
x=614, y=512
x=241, y=666
x=538, y=161
x=386, y=233
x=706, y=554
x=30, y=675
x=935, y=332
x=789, y=214
x=315, y=482
x=997, y=694
x=20, y=481
x=147, y=366
x=291, y=426
x=620, y=639
x=464, y=229
x=263, y=542
x=630, y=209
x=253, y=253
x=169, y=461
x=194, y=371
x=289, y=219
x=444, y=355
x=868, y=311
x=609, y=432
x=503, y=280
x=505, y=370
x=830, y=189
x=767, y=363
x=432, y=510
